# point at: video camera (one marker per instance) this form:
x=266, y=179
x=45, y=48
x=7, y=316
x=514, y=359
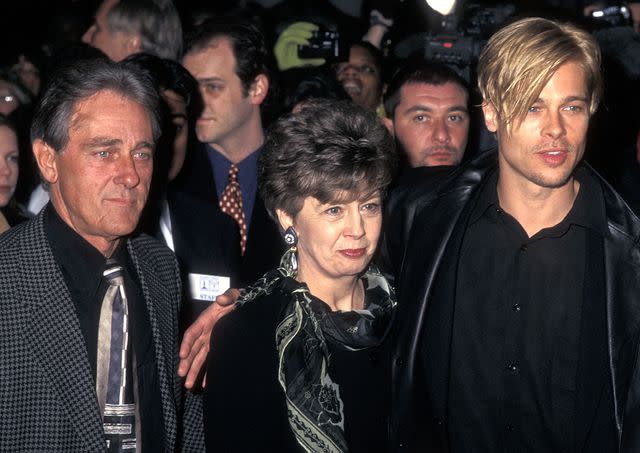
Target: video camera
x=324, y=44
x=461, y=39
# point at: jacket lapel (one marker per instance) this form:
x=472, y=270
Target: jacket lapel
x=622, y=286
x=622, y=263
x=432, y=226
x=56, y=339
x=163, y=319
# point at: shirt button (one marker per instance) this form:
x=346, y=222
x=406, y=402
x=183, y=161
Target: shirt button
x=513, y=367
x=516, y=307
x=523, y=248
x=508, y=428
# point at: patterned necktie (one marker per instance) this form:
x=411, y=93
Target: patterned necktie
x=231, y=204
x=114, y=379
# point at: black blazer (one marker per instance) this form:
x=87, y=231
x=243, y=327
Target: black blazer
x=264, y=242
x=47, y=392
x=206, y=241
x=423, y=223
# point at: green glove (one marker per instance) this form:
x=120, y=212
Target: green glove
x=286, y=48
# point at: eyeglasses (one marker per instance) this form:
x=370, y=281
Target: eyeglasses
x=7, y=98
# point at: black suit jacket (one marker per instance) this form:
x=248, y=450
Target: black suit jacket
x=206, y=241
x=426, y=221
x=47, y=392
x=264, y=242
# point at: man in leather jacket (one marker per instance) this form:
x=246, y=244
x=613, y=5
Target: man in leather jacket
x=518, y=273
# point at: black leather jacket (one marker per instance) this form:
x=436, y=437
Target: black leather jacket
x=421, y=218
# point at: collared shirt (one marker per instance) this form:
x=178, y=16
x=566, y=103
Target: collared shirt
x=516, y=332
x=82, y=266
x=247, y=178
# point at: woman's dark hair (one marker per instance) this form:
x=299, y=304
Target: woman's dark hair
x=169, y=75
x=330, y=150
x=6, y=122
x=304, y=84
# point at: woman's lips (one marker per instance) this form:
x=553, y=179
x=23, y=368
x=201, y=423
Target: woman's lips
x=353, y=253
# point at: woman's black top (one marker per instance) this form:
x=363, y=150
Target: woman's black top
x=244, y=405
x=15, y=213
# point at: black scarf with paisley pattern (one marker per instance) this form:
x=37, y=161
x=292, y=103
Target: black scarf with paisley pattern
x=315, y=409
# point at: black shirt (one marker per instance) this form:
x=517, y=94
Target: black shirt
x=516, y=339
x=82, y=266
x=245, y=407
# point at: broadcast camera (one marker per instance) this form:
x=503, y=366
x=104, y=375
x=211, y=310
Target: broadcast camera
x=460, y=38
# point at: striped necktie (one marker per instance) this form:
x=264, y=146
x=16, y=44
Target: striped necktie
x=114, y=378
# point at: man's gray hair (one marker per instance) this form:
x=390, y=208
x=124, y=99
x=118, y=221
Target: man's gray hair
x=157, y=22
x=73, y=83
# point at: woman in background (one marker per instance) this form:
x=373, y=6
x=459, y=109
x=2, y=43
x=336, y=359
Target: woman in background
x=12, y=212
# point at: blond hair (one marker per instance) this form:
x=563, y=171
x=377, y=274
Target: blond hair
x=519, y=60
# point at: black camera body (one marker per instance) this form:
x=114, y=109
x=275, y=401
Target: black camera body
x=455, y=50
x=323, y=44
x=462, y=38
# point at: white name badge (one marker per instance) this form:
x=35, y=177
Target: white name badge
x=207, y=287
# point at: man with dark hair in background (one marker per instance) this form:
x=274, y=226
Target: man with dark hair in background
x=427, y=108
x=228, y=58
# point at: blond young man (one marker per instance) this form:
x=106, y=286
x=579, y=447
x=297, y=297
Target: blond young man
x=518, y=275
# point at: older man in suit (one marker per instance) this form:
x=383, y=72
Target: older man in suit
x=89, y=313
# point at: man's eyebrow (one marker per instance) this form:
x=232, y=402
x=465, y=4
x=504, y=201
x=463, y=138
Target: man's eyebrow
x=427, y=108
x=566, y=99
x=108, y=142
x=102, y=142
x=210, y=79
x=419, y=108
x=143, y=144
x=458, y=108
x=577, y=98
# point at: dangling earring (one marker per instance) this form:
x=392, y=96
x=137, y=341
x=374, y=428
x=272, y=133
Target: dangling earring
x=290, y=237
x=289, y=261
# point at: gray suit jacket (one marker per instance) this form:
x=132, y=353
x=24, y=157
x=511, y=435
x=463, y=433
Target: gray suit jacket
x=47, y=393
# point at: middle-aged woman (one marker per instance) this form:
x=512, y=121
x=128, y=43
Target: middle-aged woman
x=301, y=363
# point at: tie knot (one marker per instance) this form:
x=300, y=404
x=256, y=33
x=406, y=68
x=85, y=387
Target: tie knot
x=233, y=173
x=112, y=270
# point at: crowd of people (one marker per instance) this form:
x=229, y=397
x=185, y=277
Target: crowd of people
x=296, y=228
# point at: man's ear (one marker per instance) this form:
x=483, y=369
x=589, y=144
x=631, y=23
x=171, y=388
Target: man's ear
x=132, y=43
x=490, y=116
x=259, y=89
x=284, y=219
x=388, y=123
x=47, y=160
